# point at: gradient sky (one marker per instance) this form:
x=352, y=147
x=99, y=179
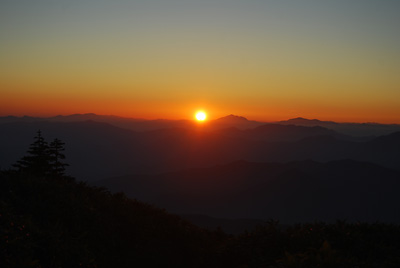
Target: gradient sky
x=266, y=60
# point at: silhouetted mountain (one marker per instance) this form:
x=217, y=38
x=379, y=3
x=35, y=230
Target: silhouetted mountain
x=384, y=150
x=101, y=150
x=276, y=132
x=352, y=129
x=93, y=117
x=233, y=121
x=100, y=147
x=366, y=130
x=306, y=122
x=56, y=222
x=10, y=119
x=292, y=192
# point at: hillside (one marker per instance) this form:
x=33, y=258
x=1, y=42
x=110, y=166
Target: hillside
x=50, y=222
x=301, y=191
x=53, y=222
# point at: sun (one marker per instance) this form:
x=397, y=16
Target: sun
x=201, y=116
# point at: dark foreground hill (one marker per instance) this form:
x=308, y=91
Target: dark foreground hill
x=301, y=191
x=49, y=222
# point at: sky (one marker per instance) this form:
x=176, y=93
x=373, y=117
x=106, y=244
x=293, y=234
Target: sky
x=263, y=59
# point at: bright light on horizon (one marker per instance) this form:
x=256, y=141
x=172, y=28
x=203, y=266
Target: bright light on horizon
x=201, y=116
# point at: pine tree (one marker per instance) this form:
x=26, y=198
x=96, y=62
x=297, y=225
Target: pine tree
x=56, y=157
x=37, y=161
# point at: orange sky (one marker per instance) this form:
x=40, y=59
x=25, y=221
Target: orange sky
x=166, y=59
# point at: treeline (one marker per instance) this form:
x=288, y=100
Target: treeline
x=43, y=159
x=49, y=221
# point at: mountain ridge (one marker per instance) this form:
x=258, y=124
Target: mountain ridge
x=367, y=130
x=97, y=150
x=291, y=192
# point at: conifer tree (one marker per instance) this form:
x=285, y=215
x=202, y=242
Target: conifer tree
x=37, y=161
x=56, y=157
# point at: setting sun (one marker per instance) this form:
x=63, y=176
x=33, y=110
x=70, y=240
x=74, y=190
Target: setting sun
x=201, y=116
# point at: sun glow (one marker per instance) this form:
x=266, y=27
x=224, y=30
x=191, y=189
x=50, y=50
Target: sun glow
x=201, y=116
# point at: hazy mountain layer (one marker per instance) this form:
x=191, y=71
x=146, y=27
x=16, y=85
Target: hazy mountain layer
x=351, y=129
x=98, y=150
x=293, y=192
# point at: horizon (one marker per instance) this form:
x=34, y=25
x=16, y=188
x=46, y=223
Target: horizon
x=193, y=118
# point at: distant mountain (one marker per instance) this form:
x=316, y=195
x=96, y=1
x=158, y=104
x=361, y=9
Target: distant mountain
x=277, y=132
x=12, y=119
x=92, y=148
x=292, y=192
x=366, y=130
x=233, y=121
x=123, y=122
x=306, y=122
x=139, y=124
x=352, y=129
x=98, y=150
x=93, y=117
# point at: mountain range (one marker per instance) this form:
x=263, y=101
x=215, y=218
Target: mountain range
x=295, y=170
x=98, y=149
x=352, y=129
x=139, y=124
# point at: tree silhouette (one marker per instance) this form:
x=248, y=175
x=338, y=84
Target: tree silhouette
x=37, y=161
x=56, y=157
x=43, y=159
